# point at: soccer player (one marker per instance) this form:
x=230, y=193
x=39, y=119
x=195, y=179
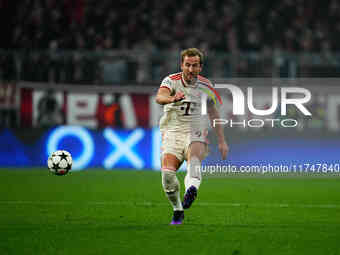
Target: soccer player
x=184, y=130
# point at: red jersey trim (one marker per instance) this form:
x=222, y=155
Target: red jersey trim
x=176, y=76
x=206, y=82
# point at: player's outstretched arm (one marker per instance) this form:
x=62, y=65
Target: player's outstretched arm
x=163, y=96
x=222, y=145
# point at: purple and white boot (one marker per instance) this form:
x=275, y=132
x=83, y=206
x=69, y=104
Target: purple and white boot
x=178, y=218
x=189, y=197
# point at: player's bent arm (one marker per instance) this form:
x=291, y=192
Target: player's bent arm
x=163, y=96
x=223, y=146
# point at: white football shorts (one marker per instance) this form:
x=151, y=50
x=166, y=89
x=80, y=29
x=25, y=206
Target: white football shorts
x=177, y=143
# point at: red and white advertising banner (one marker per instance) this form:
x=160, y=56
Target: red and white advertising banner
x=47, y=107
x=98, y=110
x=93, y=110
x=81, y=109
x=8, y=96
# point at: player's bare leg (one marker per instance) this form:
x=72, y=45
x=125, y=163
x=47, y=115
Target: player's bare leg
x=171, y=186
x=193, y=178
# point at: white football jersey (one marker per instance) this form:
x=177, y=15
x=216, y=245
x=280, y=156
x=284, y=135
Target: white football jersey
x=185, y=115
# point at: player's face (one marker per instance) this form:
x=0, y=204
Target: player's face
x=191, y=67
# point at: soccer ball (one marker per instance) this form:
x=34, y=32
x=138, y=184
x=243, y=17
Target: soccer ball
x=59, y=162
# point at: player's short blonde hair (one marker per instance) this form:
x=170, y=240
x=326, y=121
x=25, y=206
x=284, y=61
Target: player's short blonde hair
x=192, y=52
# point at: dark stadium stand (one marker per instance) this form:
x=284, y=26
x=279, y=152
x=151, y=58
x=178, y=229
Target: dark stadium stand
x=135, y=41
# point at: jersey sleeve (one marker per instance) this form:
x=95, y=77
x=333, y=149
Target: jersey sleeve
x=167, y=83
x=210, y=100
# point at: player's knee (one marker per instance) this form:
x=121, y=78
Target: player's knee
x=199, y=150
x=169, y=181
x=170, y=161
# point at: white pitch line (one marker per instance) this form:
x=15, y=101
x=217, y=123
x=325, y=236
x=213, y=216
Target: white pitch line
x=200, y=204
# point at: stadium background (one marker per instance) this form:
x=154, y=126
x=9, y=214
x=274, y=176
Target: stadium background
x=99, y=66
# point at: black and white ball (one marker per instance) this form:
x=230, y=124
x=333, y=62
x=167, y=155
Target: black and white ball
x=60, y=162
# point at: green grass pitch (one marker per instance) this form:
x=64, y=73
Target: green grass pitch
x=126, y=212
